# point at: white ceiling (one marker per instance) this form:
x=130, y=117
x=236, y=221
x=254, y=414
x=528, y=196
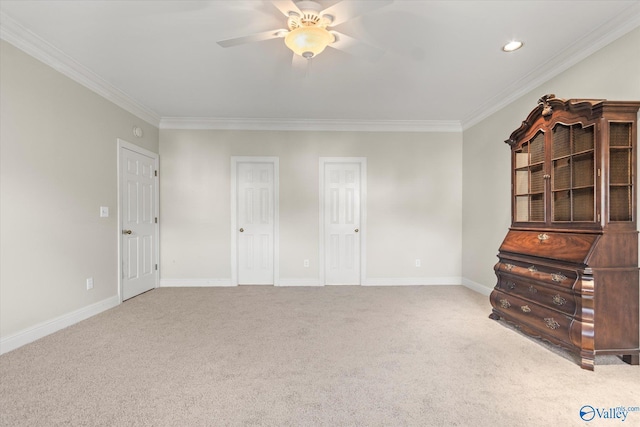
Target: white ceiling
x=442, y=63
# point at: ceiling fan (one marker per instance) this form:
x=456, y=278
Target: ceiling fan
x=310, y=30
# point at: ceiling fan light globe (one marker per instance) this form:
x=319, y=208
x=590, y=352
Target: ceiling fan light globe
x=308, y=40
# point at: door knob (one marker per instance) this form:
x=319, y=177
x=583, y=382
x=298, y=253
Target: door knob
x=126, y=231
x=242, y=230
x=356, y=230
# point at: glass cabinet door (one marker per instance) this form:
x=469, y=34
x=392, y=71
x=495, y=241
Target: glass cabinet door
x=529, y=181
x=574, y=166
x=573, y=173
x=620, y=167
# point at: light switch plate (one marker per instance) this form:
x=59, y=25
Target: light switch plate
x=104, y=211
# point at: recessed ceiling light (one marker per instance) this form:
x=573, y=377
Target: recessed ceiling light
x=512, y=45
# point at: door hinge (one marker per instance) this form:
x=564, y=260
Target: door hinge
x=156, y=266
x=598, y=171
x=156, y=219
x=155, y=172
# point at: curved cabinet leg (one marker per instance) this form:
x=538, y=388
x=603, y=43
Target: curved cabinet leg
x=494, y=316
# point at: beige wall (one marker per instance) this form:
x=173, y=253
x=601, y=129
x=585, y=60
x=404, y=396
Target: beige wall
x=413, y=207
x=611, y=73
x=58, y=166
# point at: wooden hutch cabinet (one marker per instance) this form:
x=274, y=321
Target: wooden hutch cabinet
x=568, y=267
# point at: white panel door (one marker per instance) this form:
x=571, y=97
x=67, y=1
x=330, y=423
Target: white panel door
x=138, y=220
x=342, y=223
x=255, y=221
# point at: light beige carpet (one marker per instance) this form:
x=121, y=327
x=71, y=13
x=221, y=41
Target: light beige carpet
x=330, y=356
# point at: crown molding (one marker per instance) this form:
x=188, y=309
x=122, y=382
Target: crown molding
x=25, y=40
x=310, y=124
x=601, y=36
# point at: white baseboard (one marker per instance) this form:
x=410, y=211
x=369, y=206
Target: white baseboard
x=404, y=281
x=384, y=281
x=50, y=326
x=411, y=281
x=474, y=286
x=299, y=282
x=194, y=283
x=315, y=281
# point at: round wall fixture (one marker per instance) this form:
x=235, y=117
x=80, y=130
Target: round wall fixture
x=137, y=132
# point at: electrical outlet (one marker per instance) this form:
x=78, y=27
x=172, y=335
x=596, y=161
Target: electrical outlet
x=306, y=263
x=90, y=283
x=104, y=211
x=418, y=263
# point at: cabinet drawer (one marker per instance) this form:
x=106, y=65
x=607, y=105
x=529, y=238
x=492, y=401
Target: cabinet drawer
x=572, y=247
x=539, y=273
x=538, y=293
x=544, y=320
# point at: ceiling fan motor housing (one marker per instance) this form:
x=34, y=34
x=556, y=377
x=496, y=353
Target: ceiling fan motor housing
x=308, y=35
x=310, y=16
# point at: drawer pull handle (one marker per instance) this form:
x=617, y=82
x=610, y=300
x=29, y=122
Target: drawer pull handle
x=509, y=267
x=511, y=285
x=558, y=277
x=504, y=303
x=532, y=269
x=542, y=237
x=533, y=290
x=551, y=323
x=558, y=300
x=525, y=309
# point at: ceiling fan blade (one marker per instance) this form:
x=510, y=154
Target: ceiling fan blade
x=286, y=6
x=345, y=10
x=355, y=47
x=258, y=37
